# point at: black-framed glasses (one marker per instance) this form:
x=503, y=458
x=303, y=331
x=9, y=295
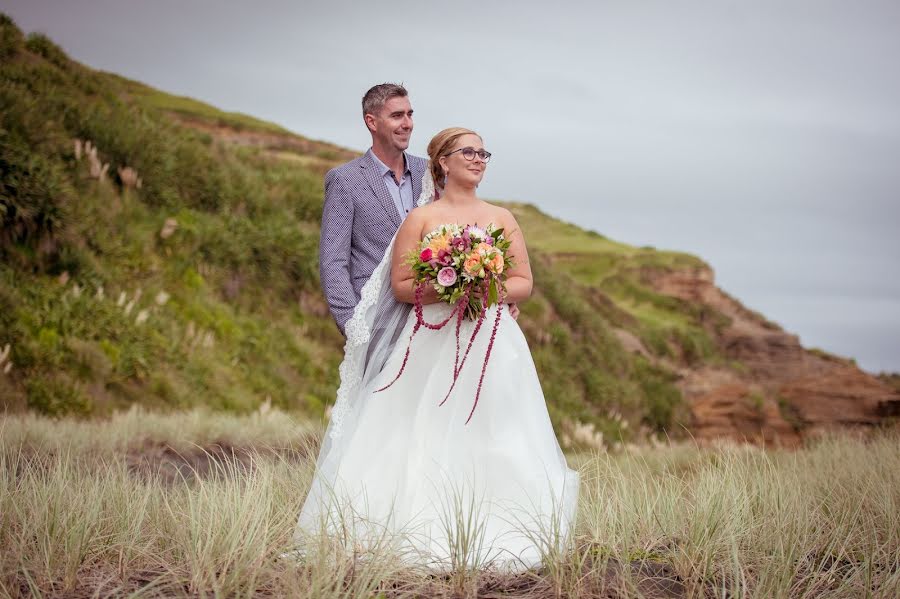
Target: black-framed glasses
x=469, y=153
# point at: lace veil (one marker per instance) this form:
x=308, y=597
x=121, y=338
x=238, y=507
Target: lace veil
x=372, y=332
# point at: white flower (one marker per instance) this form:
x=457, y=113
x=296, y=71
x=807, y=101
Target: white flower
x=477, y=232
x=448, y=229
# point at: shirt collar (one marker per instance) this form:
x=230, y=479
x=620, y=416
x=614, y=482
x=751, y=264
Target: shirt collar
x=383, y=168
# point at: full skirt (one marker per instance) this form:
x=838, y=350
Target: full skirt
x=494, y=492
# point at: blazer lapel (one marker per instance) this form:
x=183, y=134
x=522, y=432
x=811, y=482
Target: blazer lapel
x=416, y=182
x=381, y=191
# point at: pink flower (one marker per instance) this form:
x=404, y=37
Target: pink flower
x=445, y=257
x=446, y=276
x=426, y=255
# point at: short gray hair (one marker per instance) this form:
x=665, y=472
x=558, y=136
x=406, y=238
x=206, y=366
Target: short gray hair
x=375, y=98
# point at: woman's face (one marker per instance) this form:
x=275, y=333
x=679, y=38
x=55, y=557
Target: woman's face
x=465, y=172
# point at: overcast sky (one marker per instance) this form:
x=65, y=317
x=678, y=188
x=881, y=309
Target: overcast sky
x=762, y=136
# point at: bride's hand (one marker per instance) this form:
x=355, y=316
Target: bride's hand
x=430, y=296
x=514, y=311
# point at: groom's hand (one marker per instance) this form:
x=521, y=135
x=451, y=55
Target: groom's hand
x=514, y=311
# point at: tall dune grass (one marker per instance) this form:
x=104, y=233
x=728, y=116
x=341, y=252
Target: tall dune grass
x=77, y=518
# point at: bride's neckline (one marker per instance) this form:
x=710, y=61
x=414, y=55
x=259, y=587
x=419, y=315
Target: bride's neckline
x=461, y=225
x=429, y=230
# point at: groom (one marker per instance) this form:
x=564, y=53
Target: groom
x=367, y=199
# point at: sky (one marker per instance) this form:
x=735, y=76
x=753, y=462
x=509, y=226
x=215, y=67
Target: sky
x=762, y=136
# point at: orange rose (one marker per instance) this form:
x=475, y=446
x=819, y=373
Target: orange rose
x=495, y=264
x=472, y=264
x=483, y=248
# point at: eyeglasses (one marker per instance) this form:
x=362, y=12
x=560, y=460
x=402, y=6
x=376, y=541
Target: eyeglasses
x=470, y=153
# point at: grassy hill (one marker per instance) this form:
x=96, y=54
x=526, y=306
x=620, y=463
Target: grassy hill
x=199, y=285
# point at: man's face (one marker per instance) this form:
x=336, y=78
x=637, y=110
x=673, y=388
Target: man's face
x=393, y=126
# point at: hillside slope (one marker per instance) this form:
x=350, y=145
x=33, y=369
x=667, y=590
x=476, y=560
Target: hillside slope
x=156, y=250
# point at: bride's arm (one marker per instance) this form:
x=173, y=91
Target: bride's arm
x=519, y=280
x=408, y=237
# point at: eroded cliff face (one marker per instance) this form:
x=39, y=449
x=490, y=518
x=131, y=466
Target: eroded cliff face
x=775, y=392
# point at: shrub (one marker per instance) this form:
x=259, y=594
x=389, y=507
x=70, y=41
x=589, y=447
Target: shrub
x=11, y=38
x=661, y=397
x=34, y=194
x=56, y=397
x=42, y=45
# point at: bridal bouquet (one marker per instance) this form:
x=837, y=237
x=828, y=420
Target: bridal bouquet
x=463, y=263
x=467, y=267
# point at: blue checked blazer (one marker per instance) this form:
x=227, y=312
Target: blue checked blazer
x=359, y=220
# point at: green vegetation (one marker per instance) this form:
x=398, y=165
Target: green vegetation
x=193, y=109
x=586, y=287
x=165, y=264
x=183, y=291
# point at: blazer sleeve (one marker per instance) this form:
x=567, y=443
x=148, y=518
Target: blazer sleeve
x=334, y=249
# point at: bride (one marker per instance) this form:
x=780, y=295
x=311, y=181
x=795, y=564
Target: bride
x=397, y=467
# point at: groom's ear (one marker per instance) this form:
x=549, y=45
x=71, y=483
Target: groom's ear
x=369, y=120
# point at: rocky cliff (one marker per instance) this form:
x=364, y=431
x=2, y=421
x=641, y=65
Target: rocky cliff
x=784, y=392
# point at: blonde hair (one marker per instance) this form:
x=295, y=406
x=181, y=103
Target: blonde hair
x=439, y=145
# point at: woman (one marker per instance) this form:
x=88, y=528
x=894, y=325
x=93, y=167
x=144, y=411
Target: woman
x=400, y=465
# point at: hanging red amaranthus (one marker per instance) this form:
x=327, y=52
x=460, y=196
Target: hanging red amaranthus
x=457, y=261
x=458, y=311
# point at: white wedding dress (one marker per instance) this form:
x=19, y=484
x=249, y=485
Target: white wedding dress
x=398, y=469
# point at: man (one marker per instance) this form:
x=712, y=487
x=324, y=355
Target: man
x=367, y=199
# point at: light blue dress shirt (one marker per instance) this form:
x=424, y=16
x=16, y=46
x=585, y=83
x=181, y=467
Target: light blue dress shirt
x=402, y=193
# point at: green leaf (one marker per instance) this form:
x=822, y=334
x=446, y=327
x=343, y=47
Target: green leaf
x=492, y=292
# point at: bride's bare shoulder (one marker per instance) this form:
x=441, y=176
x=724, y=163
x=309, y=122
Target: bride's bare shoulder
x=423, y=209
x=501, y=215
x=414, y=223
x=426, y=212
